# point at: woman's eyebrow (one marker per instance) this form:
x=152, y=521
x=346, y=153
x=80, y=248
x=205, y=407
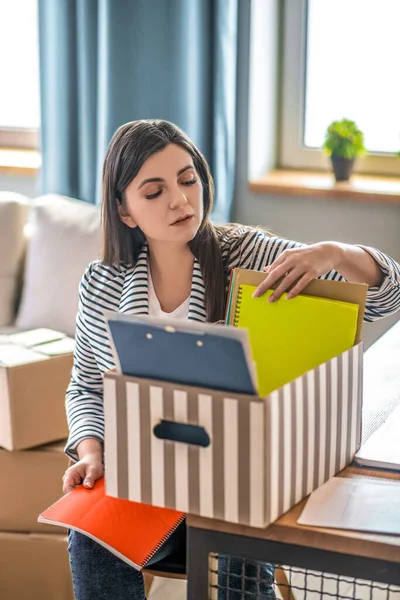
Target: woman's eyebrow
x=151, y=180
x=160, y=179
x=184, y=169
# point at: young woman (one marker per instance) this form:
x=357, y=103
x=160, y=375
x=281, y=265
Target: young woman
x=162, y=256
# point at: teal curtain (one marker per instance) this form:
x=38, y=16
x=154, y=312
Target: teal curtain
x=106, y=62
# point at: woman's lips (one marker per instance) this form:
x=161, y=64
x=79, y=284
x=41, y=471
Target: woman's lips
x=183, y=221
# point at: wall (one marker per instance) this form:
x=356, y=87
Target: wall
x=23, y=184
x=305, y=219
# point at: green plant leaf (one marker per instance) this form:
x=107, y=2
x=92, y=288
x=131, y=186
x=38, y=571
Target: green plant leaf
x=343, y=138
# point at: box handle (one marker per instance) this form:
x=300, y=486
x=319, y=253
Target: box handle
x=182, y=432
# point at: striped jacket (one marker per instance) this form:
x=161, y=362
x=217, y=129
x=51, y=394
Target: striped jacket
x=123, y=288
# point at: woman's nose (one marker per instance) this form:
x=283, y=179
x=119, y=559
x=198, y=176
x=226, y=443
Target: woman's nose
x=178, y=199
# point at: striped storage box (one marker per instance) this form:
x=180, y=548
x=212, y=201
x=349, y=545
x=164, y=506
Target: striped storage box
x=257, y=456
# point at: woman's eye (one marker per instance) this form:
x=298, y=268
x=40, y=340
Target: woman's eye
x=189, y=182
x=151, y=196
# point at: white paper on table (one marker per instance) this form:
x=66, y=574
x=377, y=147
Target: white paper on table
x=33, y=337
x=359, y=504
x=64, y=346
x=12, y=355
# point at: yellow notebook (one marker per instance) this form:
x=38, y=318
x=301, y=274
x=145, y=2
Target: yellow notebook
x=290, y=337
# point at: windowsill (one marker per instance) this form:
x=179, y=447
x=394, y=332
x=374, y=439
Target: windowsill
x=17, y=161
x=318, y=184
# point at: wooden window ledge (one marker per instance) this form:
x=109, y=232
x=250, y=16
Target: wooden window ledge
x=318, y=184
x=17, y=161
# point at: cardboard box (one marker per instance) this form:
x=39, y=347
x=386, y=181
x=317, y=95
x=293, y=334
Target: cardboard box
x=32, y=481
x=263, y=455
x=35, y=370
x=34, y=566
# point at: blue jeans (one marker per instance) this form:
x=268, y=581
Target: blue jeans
x=97, y=574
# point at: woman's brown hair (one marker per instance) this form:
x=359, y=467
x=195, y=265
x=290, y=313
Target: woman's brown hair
x=131, y=145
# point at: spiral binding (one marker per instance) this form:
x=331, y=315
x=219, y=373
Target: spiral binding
x=238, y=307
x=162, y=541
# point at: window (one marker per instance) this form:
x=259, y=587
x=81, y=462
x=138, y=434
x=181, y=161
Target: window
x=340, y=61
x=19, y=74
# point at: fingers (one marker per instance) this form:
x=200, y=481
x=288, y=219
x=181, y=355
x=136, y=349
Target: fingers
x=300, y=285
x=281, y=259
x=286, y=283
x=272, y=277
x=67, y=487
x=71, y=479
x=288, y=279
x=93, y=473
x=81, y=472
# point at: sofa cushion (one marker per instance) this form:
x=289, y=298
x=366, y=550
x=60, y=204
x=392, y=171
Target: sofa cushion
x=13, y=217
x=65, y=237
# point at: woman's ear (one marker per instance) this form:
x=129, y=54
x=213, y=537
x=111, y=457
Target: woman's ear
x=126, y=217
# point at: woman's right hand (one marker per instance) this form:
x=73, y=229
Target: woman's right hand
x=88, y=469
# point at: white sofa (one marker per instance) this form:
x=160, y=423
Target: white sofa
x=45, y=245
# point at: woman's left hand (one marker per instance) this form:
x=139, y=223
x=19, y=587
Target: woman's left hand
x=298, y=264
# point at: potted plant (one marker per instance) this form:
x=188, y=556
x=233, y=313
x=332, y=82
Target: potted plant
x=344, y=142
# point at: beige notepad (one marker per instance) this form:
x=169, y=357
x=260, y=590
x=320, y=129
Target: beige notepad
x=358, y=504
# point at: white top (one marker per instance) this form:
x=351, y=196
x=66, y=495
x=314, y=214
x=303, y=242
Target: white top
x=155, y=310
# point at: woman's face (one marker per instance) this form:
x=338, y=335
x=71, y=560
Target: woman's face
x=165, y=199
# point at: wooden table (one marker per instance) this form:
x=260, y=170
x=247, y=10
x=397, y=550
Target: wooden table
x=356, y=554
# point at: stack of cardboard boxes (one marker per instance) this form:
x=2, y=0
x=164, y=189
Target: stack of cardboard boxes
x=35, y=370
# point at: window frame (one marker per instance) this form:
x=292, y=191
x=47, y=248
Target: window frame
x=292, y=153
x=19, y=138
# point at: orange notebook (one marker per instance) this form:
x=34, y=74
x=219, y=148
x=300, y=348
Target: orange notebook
x=132, y=531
